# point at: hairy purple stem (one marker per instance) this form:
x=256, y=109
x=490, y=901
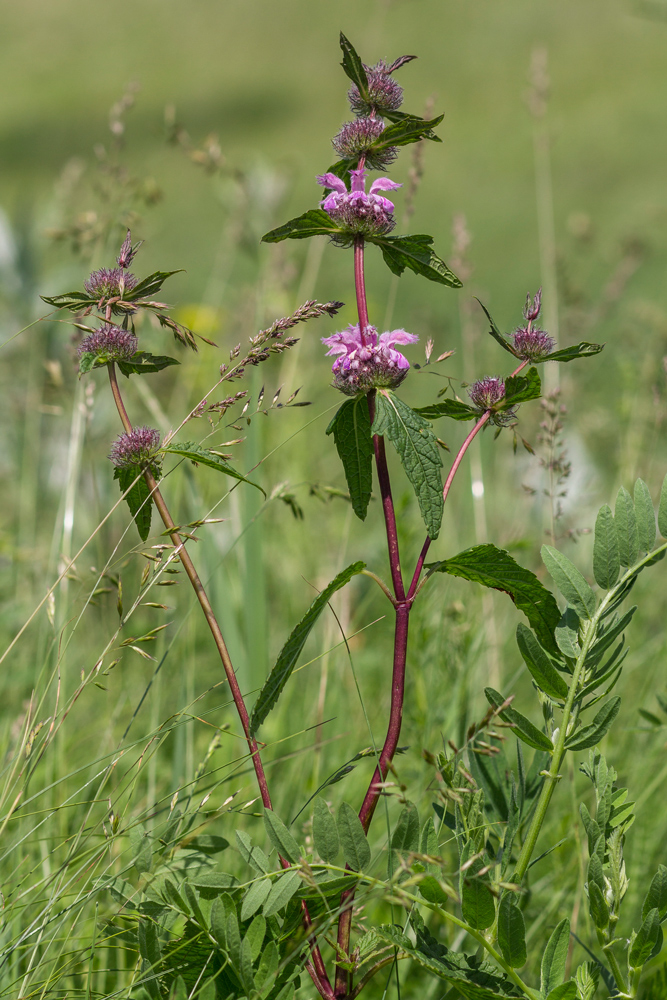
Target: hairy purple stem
x=317, y=969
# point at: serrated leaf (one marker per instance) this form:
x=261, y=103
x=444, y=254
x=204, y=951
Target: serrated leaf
x=539, y=664
x=662, y=509
x=280, y=837
x=569, y=581
x=143, y=363
x=405, y=838
x=657, y=894
x=643, y=944
x=587, y=737
x=353, y=66
x=582, y=350
x=555, y=957
x=202, y=456
x=606, y=560
x=495, y=332
x=291, y=651
x=351, y=428
x=453, y=408
x=523, y=727
x=495, y=568
x=325, y=833
x=356, y=850
x=417, y=448
x=149, y=286
x=522, y=388
x=255, y=897
x=316, y=222
x=598, y=907
x=645, y=516
x=138, y=499
x=282, y=891
x=626, y=528
x=415, y=253
x=511, y=933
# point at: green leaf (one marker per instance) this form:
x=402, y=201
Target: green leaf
x=511, y=932
x=405, y=838
x=657, y=894
x=417, y=448
x=280, y=837
x=522, y=388
x=523, y=727
x=149, y=286
x=495, y=568
x=598, y=907
x=606, y=560
x=316, y=222
x=647, y=935
x=582, y=350
x=282, y=891
x=453, y=408
x=255, y=897
x=207, y=990
x=587, y=737
x=555, y=957
x=409, y=129
x=268, y=965
x=351, y=428
x=74, y=301
x=142, y=363
x=325, y=833
x=138, y=499
x=495, y=332
x=566, y=991
x=251, y=854
x=208, y=843
x=291, y=651
x=539, y=664
x=202, y=456
x=353, y=66
x=626, y=527
x=356, y=850
x=178, y=990
x=567, y=634
x=432, y=891
x=569, y=581
x=254, y=935
x=662, y=509
x=416, y=253
x=142, y=851
x=89, y=360
x=477, y=902
x=645, y=515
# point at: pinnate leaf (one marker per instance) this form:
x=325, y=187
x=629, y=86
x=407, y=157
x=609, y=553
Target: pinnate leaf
x=647, y=935
x=291, y=651
x=282, y=891
x=606, y=560
x=566, y=991
x=351, y=428
x=477, y=903
x=569, y=581
x=657, y=894
x=417, y=448
x=255, y=898
x=405, y=838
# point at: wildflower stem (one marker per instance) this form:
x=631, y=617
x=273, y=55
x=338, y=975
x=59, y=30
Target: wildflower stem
x=316, y=969
x=360, y=285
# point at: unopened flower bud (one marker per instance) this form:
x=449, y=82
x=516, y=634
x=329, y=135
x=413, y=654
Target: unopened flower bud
x=384, y=94
x=531, y=310
x=486, y=394
x=109, y=283
x=137, y=450
x=356, y=139
x=111, y=343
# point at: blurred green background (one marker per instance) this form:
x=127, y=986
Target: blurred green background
x=552, y=161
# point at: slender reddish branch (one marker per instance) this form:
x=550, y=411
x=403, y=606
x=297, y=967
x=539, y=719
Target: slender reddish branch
x=360, y=285
x=317, y=969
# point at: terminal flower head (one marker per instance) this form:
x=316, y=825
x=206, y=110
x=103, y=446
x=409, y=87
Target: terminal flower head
x=367, y=214
x=532, y=344
x=384, y=94
x=369, y=361
x=486, y=394
x=109, y=283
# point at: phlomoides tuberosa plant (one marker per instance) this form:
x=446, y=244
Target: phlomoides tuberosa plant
x=205, y=933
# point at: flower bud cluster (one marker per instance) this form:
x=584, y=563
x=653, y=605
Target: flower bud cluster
x=488, y=393
x=109, y=283
x=137, y=450
x=356, y=138
x=384, y=94
x=111, y=343
x=532, y=344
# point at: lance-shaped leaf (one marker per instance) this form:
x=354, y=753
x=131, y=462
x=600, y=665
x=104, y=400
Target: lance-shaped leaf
x=626, y=528
x=477, y=903
x=539, y=664
x=496, y=334
x=405, y=838
x=569, y=581
x=255, y=897
x=606, y=560
x=280, y=837
x=409, y=129
x=417, y=448
x=555, y=958
x=454, y=408
x=353, y=66
x=566, y=991
x=523, y=727
x=149, y=286
x=597, y=906
x=521, y=388
x=351, y=428
x=645, y=516
x=143, y=363
x=281, y=892
x=582, y=350
x=495, y=568
x=74, y=301
x=416, y=253
x=587, y=737
x=657, y=894
x=643, y=944
x=203, y=456
x=138, y=499
x=567, y=634
x=356, y=850
x=316, y=222
x=291, y=651
x=662, y=509
x=325, y=833
x=511, y=932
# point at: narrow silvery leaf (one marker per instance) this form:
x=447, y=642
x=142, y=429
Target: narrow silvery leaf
x=280, y=837
x=356, y=850
x=569, y=581
x=405, y=838
x=325, y=833
x=587, y=737
x=539, y=664
x=662, y=509
x=645, y=515
x=567, y=634
x=606, y=561
x=255, y=897
x=417, y=448
x=511, y=932
x=251, y=854
x=282, y=891
x=647, y=935
x=626, y=527
x=598, y=907
x=351, y=428
x=657, y=894
x=555, y=957
x=523, y=727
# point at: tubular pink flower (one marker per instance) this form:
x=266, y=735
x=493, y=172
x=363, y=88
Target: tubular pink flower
x=368, y=213
x=374, y=363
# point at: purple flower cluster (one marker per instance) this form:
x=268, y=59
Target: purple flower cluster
x=136, y=449
x=110, y=342
x=486, y=394
x=366, y=214
x=384, y=94
x=532, y=344
x=109, y=283
x=368, y=362
x=356, y=139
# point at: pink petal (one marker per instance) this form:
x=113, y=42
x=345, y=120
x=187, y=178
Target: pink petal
x=330, y=203
x=358, y=180
x=387, y=205
x=383, y=184
x=331, y=181
x=398, y=337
